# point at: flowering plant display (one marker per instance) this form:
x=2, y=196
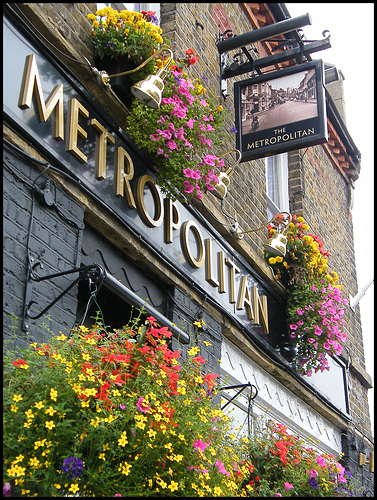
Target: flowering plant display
x=182, y=134
x=284, y=465
x=117, y=415
x=315, y=307
x=126, y=33
x=121, y=414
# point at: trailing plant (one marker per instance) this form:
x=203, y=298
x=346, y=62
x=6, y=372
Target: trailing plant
x=182, y=135
x=315, y=308
x=284, y=465
x=121, y=414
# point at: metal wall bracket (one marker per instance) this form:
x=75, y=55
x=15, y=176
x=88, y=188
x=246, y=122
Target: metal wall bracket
x=300, y=52
x=242, y=386
x=92, y=272
x=296, y=48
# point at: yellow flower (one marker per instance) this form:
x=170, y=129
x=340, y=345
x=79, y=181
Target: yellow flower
x=17, y=398
x=173, y=486
x=124, y=468
x=272, y=260
x=29, y=413
x=151, y=433
x=39, y=405
x=193, y=351
x=16, y=470
x=197, y=324
x=279, y=259
x=300, y=219
x=102, y=456
x=53, y=394
x=50, y=411
x=39, y=443
x=74, y=488
x=14, y=408
x=34, y=462
x=49, y=425
x=122, y=441
x=18, y=459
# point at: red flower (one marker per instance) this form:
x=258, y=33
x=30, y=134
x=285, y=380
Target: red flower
x=19, y=362
x=209, y=379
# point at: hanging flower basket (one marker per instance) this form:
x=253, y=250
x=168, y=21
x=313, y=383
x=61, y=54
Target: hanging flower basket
x=120, y=84
x=315, y=307
x=182, y=135
x=122, y=41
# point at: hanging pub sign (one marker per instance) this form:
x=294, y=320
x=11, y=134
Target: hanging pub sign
x=280, y=111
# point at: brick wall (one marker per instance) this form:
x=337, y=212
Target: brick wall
x=54, y=241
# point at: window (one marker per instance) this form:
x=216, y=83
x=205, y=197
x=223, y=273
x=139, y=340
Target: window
x=277, y=184
x=138, y=7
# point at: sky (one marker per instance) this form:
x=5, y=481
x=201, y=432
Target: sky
x=351, y=27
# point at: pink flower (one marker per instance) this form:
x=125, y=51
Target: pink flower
x=203, y=102
x=321, y=462
x=200, y=445
x=288, y=486
x=172, y=145
x=221, y=468
x=166, y=134
x=313, y=473
x=190, y=123
x=143, y=408
x=189, y=188
x=210, y=159
x=293, y=327
x=318, y=330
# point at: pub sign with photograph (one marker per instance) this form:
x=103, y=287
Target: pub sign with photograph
x=280, y=111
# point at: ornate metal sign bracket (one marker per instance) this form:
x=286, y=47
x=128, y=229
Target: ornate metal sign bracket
x=93, y=272
x=246, y=61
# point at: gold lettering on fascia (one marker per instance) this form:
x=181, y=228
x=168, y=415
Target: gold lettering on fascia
x=156, y=220
x=260, y=309
x=124, y=172
x=209, y=264
x=232, y=279
x=172, y=219
x=255, y=306
x=75, y=109
x=197, y=261
x=102, y=139
x=31, y=81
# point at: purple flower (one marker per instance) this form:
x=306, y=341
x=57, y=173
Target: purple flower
x=73, y=466
x=233, y=130
x=6, y=490
x=313, y=483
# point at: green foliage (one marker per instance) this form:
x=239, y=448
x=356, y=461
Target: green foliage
x=182, y=135
x=315, y=308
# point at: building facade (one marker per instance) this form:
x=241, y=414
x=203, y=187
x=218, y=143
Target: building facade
x=60, y=215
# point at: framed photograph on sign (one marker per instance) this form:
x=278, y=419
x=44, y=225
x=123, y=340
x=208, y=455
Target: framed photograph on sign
x=280, y=111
